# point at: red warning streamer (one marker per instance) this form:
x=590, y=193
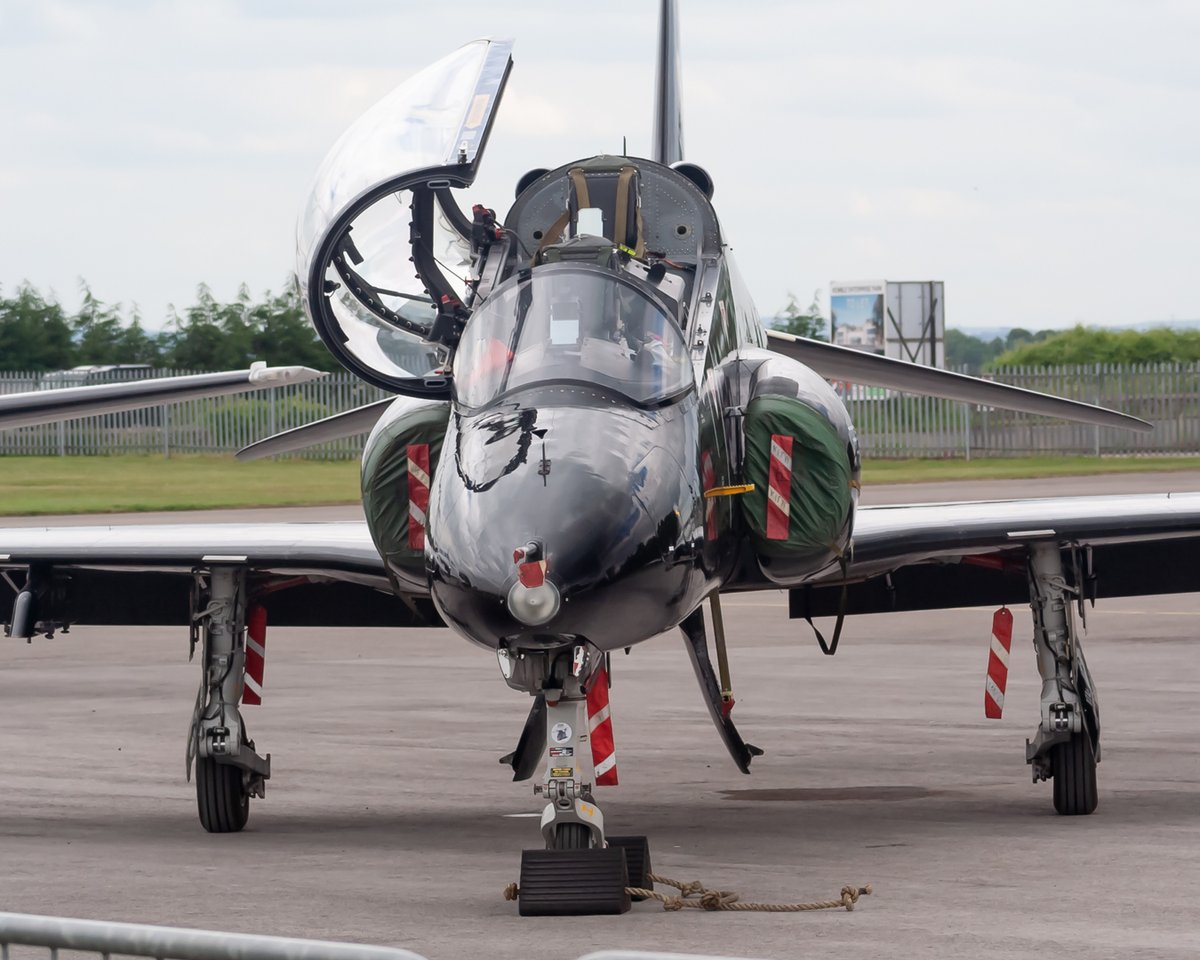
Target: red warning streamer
x=256, y=654
x=997, y=671
x=779, y=488
x=604, y=751
x=418, y=494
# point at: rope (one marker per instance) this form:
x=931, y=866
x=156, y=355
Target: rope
x=695, y=896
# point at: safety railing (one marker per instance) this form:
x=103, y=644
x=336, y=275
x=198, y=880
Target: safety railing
x=173, y=943
x=182, y=943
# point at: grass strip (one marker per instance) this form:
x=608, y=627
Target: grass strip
x=39, y=485
x=129, y=484
x=1015, y=468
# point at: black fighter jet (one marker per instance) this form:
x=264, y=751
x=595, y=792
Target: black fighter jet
x=592, y=438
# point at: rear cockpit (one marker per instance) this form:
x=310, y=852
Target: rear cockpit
x=658, y=221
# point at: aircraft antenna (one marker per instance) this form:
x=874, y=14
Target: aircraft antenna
x=668, y=118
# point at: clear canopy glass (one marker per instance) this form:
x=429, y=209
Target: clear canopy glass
x=414, y=127
x=381, y=242
x=574, y=324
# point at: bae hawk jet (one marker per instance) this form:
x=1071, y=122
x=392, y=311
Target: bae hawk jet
x=591, y=437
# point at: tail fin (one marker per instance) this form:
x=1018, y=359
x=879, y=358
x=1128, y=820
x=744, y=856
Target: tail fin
x=668, y=118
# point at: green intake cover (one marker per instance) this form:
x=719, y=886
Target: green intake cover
x=821, y=494
x=385, y=479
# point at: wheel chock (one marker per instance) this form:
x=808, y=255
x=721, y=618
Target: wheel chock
x=637, y=861
x=573, y=883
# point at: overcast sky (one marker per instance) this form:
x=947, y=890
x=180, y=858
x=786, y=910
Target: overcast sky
x=1043, y=159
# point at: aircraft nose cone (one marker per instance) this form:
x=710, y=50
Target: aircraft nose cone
x=563, y=522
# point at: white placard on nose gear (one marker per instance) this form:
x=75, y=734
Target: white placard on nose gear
x=561, y=733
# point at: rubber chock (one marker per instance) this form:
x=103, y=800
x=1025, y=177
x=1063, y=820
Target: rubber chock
x=573, y=883
x=637, y=861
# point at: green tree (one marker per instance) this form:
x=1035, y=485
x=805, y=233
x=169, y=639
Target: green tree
x=807, y=322
x=99, y=331
x=211, y=335
x=284, y=335
x=1083, y=345
x=35, y=334
x=138, y=346
x=964, y=350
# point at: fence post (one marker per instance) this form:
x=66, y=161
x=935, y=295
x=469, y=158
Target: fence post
x=166, y=432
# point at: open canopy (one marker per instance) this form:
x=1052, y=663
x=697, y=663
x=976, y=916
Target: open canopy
x=381, y=239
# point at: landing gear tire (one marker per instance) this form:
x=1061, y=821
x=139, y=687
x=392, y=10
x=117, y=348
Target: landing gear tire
x=1074, y=765
x=221, y=796
x=572, y=836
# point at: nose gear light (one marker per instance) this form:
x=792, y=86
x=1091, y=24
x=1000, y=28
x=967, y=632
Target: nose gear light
x=534, y=606
x=533, y=599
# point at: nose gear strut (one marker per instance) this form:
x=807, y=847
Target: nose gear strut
x=581, y=871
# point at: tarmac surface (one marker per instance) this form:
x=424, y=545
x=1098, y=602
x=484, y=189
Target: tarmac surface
x=389, y=821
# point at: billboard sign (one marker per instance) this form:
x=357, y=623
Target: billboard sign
x=856, y=315
x=902, y=320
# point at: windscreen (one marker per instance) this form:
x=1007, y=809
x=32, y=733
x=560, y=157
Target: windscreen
x=577, y=323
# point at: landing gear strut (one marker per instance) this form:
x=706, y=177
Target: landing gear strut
x=228, y=770
x=1066, y=745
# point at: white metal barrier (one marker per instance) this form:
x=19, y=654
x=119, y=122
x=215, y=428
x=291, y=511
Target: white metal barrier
x=181, y=943
x=174, y=943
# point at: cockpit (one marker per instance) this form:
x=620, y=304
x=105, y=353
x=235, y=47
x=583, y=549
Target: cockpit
x=590, y=278
x=572, y=324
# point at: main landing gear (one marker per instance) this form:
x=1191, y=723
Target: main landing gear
x=581, y=870
x=228, y=770
x=1066, y=745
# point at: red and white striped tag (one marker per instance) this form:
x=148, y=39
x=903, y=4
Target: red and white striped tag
x=604, y=751
x=779, y=488
x=997, y=671
x=256, y=655
x=418, y=494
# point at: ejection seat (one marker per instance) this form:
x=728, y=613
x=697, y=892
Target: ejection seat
x=610, y=185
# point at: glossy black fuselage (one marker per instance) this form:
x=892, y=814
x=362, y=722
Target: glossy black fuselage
x=611, y=494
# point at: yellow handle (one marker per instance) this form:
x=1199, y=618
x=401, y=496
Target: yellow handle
x=729, y=491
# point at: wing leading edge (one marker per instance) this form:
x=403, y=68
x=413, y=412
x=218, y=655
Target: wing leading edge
x=312, y=574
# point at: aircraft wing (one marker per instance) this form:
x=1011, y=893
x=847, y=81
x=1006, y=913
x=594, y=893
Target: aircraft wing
x=310, y=574
x=50, y=406
x=929, y=556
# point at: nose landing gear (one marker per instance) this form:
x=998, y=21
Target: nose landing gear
x=581, y=871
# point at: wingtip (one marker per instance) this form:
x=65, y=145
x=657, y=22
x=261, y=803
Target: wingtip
x=262, y=374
